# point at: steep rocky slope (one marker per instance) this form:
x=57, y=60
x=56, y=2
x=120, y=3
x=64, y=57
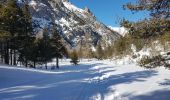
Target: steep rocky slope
x=77, y=26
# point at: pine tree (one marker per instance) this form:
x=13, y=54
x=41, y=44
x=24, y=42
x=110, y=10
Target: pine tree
x=157, y=8
x=26, y=38
x=142, y=32
x=58, y=46
x=108, y=51
x=33, y=53
x=15, y=24
x=10, y=23
x=4, y=35
x=37, y=52
x=156, y=25
x=90, y=53
x=45, y=52
x=80, y=53
x=41, y=50
x=99, y=51
x=74, y=57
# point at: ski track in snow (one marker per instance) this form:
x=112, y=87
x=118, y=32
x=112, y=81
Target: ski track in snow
x=90, y=80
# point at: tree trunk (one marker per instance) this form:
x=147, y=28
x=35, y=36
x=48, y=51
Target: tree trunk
x=57, y=62
x=2, y=52
x=46, y=65
x=34, y=64
x=11, y=56
x=26, y=63
x=7, y=53
x=14, y=62
x=2, y=57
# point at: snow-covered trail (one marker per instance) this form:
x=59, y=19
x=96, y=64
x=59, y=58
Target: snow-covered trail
x=94, y=80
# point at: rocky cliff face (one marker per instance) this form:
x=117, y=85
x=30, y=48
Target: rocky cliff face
x=76, y=25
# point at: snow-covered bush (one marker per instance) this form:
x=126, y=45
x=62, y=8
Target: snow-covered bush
x=151, y=62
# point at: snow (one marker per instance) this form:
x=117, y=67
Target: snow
x=62, y=20
x=19, y=1
x=90, y=80
x=121, y=30
x=42, y=22
x=101, y=31
x=93, y=48
x=33, y=3
x=80, y=12
x=42, y=4
x=71, y=7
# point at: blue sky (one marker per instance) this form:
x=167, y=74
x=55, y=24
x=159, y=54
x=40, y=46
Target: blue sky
x=110, y=11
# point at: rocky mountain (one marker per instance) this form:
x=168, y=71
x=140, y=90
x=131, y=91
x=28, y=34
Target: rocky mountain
x=77, y=26
x=121, y=30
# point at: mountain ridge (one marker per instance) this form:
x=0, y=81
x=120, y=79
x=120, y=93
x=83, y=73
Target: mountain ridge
x=76, y=25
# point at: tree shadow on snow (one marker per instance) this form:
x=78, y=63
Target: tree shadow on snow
x=103, y=86
x=50, y=86
x=165, y=83
x=79, y=83
x=156, y=95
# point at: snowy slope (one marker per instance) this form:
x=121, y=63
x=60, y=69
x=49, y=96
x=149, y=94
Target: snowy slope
x=93, y=80
x=121, y=30
x=75, y=25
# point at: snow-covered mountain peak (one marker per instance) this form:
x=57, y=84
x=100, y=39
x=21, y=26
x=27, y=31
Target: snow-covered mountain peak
x=71, y=7
x=65, y=0
x=87, y=9
x=76, y=25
